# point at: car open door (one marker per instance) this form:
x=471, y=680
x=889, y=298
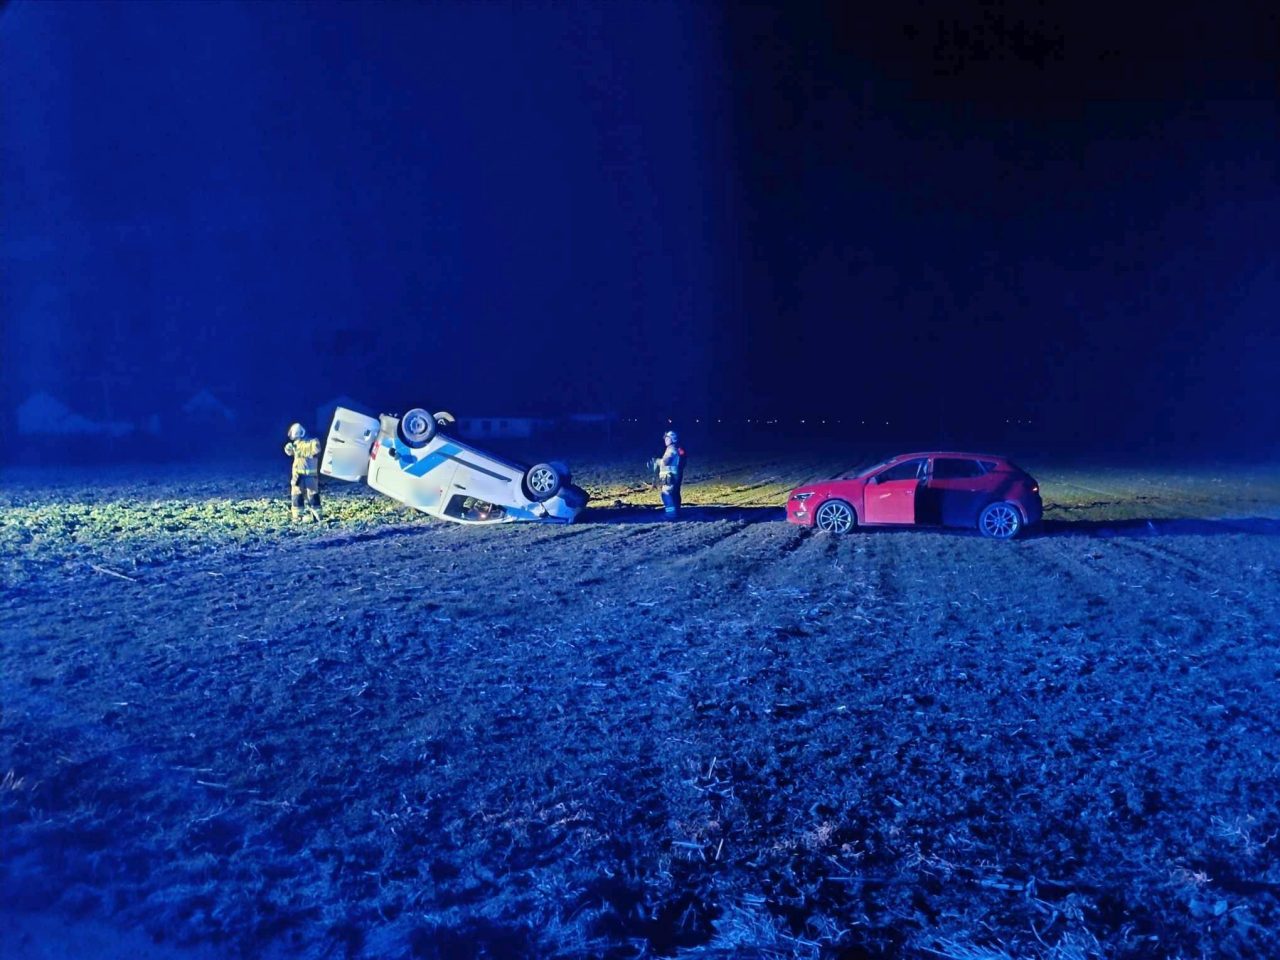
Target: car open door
x=346, y=451
x=890, y=495
x=957, y=488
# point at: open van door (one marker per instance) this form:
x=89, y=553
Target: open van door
x=346, y=451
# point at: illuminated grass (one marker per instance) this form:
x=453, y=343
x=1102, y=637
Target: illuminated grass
x=49, y=519
x=1126, y=493
x=134, y=528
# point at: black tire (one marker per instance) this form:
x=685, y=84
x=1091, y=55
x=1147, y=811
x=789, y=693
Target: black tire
x=542, y=481
x=835, y=516
x=417, y=428
x=1001, y=520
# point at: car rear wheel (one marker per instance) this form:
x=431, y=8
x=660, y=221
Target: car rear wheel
x=835, y=516
x=543, y=482
x=417, y=428
x=1000, y=521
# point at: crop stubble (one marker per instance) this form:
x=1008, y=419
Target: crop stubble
x=393, y=737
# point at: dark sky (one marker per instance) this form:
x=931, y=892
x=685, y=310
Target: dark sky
x=1072, y=216
x=490, y=207
x=939, y=212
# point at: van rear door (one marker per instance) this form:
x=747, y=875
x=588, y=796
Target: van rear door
x=346, y=451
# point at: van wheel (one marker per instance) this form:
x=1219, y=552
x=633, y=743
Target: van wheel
x=417, y=428
x=543, y=482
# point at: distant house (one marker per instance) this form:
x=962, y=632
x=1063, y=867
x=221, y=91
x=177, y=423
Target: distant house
x=478, y=428
x=44, y=415
x=207, y=410
x=593, y=424
x=600, y=420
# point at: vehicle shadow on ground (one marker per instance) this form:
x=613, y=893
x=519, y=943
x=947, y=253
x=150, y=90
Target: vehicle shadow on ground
x=1157, y=527
x=337, y=539
x=699, y=514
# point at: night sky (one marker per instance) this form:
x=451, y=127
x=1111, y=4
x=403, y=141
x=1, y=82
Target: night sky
x=946, y=213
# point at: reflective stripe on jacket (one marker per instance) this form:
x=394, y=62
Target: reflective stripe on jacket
x=672, y=461
x=306, y=456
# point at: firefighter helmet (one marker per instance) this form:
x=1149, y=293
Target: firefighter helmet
x=297, y=431
x=670, y=436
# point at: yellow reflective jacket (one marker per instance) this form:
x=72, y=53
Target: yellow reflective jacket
x=671, y=465
x=306, y=456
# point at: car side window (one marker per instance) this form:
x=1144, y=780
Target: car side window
x=907, y=470
x=954, y=468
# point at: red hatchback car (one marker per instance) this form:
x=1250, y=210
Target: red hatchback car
x=940, y=489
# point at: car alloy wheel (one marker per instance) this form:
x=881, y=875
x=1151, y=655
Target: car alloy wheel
x=835, y=516
x=1000, y=521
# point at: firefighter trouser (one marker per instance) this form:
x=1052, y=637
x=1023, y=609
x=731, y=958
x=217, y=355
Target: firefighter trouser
x=671, y=497
x=305, y=486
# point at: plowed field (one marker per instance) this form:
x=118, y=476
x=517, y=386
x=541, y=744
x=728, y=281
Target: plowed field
x=387, y=736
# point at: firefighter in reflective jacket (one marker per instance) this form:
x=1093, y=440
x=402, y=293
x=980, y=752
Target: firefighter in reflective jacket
x=671, y=474
x=306, y=473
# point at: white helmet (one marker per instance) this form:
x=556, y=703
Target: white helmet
x=297, y=432
x=671, y=436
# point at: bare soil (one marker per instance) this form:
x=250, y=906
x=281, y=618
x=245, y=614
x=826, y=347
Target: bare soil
x=387, y=736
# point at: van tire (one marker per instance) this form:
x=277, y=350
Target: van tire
x=542, y=482
x=417, y=428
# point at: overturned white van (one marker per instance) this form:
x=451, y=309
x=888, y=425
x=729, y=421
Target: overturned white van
x=413, y=460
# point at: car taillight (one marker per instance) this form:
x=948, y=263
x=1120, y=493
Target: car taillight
x=373, y=452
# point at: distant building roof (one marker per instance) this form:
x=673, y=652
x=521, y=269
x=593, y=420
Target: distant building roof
x=41, y=413
x=507, y=416
x=204, y=405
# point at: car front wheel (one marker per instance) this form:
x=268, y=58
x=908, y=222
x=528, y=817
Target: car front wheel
x=1000, y=521
x=835, y=516
x=543, y=481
